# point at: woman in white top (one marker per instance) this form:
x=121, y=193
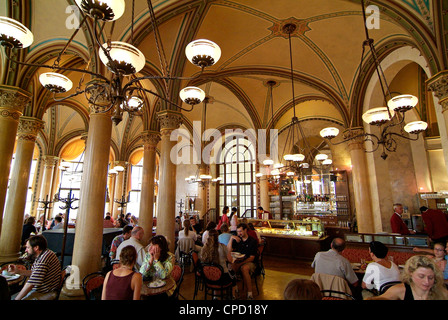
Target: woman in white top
x=233, y=221
x=381, y=270
x=186, y=232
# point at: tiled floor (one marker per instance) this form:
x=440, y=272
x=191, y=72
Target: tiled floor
x=279, y=272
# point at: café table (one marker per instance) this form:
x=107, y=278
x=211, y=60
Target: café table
x=148, y=292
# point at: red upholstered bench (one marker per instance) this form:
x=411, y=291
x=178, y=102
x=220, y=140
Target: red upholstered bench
x=355, y=255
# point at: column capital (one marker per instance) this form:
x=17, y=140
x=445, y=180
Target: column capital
x=169, y=120
x=50, y=161
x=29, y=128
x=12, y=101
x=150, y=138
x=439, y=85
x=354, y=137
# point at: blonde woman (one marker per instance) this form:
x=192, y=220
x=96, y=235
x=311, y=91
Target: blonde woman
x=422, y=280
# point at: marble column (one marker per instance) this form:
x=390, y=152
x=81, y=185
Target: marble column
x=150, y=141
x=119, y=190
x=169, y=121
x=12, y=102
x=89, y=224
x=361, y=187
x=49, y=163
x=438, y=84
x=111, y=190
x=10, y=240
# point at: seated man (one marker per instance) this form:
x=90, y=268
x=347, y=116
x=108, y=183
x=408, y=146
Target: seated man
x=332, y=262
x=125, y=235
x=135, y=240
x=45, y=274
x=246, y=245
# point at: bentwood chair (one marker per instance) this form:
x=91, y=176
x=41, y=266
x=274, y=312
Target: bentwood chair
x=336, y=295
x=213, y=281
x=64, y=275
x=198, y=281
x=178, y=276
x=92, y=285
x=385, y=286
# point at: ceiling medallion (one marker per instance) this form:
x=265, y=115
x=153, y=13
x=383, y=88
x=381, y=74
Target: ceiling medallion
x=280, y=28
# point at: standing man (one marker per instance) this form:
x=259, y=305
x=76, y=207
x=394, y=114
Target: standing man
x=45, y=274
x=436, y=224
x=397, y=223
x=248, y=246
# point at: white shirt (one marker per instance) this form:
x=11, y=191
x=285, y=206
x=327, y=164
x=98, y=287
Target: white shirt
x=141, y=252
x=191, y=234
x=379, y=275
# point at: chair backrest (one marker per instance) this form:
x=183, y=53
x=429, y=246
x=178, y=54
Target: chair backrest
x=387, y=285
x=195, y=259
x=331, y=282
x=65, y=273
x=212, y=272
x=92, y=285
x=336, y=295
x=177, y=273
x=4, y=290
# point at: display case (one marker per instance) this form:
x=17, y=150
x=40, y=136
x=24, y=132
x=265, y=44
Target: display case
x=389, y=239
x=309, y=227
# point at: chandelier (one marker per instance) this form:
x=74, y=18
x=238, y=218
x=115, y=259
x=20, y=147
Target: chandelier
x=298, y=154
x=385, y=118
x=122, y=90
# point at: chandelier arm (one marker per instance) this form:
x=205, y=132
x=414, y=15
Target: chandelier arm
x=404, y=137
x=159, y=96
x=68, y=97
x=137, y=79
x=56, y=67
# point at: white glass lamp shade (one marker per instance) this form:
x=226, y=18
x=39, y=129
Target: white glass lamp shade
x=126, y=59
x=403, y=102
x=107, y=10
x=305, y=165
x=119, y=168
x=205, y=176
x=259, y=175
x=377, y=116
x=14, y=34
x=327, y=162
x=329, y=133
x=203, y=53
x=321, y=157
x=278, y=165
x=135, y=103
x=415, y=127
x=113, y=171
x=55, y=82
x=268, y=162
x=298, y=157
x=192, y=95
x=288, y=157
x=275, y=172
x=290, y=173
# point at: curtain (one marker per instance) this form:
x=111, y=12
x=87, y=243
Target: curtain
x=72, y=150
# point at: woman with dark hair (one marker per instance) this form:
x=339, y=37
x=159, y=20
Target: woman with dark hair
x=381, y=270
x=224, y=218
x=123, y=283
x=233, y=221
x=27, y=229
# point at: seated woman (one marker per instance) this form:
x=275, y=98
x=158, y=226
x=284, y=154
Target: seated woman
x=437, y=254
x=422, y=280
x=380, y=271
x=215, y=252
x=159, y=262
x=123, y=283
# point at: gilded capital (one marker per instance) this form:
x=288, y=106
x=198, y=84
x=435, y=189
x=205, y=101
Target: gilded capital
x=50, y=161
x=169, y=120
x=29, y=128
x=150, y=138
x=354, y=137
x=12, y=102
x=439, y=84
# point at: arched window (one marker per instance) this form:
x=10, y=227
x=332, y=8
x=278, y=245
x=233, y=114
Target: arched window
x=237, y=170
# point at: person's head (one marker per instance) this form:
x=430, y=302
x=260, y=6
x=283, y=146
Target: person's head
x=187, y=225
x=128, y=256
x=250, y=225
x=378, y=249
x=234, y=209
x=241, y=230
x=224, y=228
x=338, y=244
x=302, y=289
x=127, y=231
x=161, y=242
x=422, y=272
x=423, y=209
x=439, y=250
x=137, y=233
x=31, y=220
x=58, y=219
x=107, y=218
x=210, y=226
x=225, y=210
x=260, y=209
x=35, y=245
x=398, y=208
x=192, y=220
x=107, y=214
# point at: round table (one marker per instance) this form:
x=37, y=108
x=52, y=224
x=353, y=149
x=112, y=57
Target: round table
x=147, y=291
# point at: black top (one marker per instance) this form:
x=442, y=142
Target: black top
x=26, y=232
x=408, y=293
x=248, y=247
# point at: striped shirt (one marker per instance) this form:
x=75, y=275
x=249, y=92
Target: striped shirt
x=46, y=272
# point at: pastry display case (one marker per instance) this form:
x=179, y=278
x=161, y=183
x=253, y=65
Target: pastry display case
x=309, y=227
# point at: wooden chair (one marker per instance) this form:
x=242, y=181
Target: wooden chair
x=198, y=282
x=64, y=275
x=214, y=282
x=178, y=276
x=336, y=295
x=92, y=285
x=387, y=285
